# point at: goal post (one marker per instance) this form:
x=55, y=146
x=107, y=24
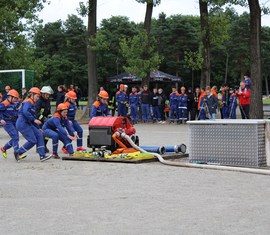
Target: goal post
x=16, y=79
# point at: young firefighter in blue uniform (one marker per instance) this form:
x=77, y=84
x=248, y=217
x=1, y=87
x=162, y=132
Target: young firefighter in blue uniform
x=8, y=117
x=58, y=128
x=232, y=104
x=134, y=102
x=173, y=104
x=29, y=126
x=70, y=99
x=182, y=106
x=100, y=106
x=43, y=108
x=121, y=98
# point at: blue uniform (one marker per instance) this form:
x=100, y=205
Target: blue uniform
x=29, y=129
x=202, y=113
x=182, y=108
x=155, y=108
x=173, y=106
x=99, y=109
x=134, y=102
x=232, y=107
x=121, y=98
x=58, y=128
x=225, y=104
x=71, y=116
x=9, y=113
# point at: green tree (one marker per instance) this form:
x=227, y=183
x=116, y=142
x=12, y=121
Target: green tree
x=133, y=50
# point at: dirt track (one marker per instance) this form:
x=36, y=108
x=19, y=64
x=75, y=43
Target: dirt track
x=72, y=197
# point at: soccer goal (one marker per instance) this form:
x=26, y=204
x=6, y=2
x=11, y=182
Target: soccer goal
x=16, y=79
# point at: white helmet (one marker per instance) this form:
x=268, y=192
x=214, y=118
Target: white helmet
x=47, y=89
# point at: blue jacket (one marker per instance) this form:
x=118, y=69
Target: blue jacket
x=121, y=97
x=27, y=111
x=8, y=111
x=71, y=110
x=134, y=98
x=58, y=123
x=182, y=100
x=99, y=109
x=174, y=98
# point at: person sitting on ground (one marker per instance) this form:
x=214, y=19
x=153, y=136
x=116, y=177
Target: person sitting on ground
x=58, y=128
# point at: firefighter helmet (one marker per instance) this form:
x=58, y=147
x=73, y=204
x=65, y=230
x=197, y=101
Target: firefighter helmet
x=71, y=95
x=62, y=107
x=35, y=90
x=103, y=94
x=47, y=90
x=13, y=93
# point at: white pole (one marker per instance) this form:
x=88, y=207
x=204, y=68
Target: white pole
x=23, y=78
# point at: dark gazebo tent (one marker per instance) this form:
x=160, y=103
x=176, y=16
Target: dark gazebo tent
x=156, y=76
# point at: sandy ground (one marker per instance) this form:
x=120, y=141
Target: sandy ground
x=73, y=197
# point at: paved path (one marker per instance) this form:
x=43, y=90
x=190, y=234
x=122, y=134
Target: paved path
x=70, y=197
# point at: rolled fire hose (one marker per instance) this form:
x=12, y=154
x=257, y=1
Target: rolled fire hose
x=154, y=149
x=200, y=166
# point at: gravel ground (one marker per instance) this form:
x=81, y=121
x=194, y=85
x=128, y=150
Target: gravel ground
x=74, y=197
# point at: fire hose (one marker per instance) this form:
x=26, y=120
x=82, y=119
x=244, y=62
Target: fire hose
x=200, y=166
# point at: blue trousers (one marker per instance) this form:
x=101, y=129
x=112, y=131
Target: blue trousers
x=156, y=113
x=134, y=113
x=182, y=114
x=122, y=110
x=10, y=128
x=225, y=111
x=79, y=130
x=146, y=113
x=56, y=136
x=173, y=112
x=33, y=136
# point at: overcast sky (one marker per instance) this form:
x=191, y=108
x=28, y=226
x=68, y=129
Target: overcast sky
x=59, y=9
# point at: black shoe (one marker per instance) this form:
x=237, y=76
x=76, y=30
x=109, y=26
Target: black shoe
x=44, y=158
x=16, y=155
x=55, y=156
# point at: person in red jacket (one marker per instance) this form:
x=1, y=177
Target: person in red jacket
x=243, y=95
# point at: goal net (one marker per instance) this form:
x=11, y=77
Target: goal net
x=16, y=79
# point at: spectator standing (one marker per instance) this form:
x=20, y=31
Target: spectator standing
x=134, y=102
x=60, y=95
x=24, y=93
x=190, y=102
x=212, y=104
x=173, y=105
x=156, y=113
x=225, y=102
x=161, y=104
x=232, y=104
x=121, y=99
x=146, y=99
x=247, y=81
x=182, y=106
x=194, y=106
x=243, y=95
x=78, y=92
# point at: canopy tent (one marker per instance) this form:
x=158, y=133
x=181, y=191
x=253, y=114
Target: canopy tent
x=156, y=76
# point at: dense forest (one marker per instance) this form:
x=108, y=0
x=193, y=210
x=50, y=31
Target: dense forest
x=57, y=51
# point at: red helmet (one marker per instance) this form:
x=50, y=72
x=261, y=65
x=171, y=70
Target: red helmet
x=71, y=94
x=62, y=107
x=103, y=94
x=35, y=90
x=14, y=93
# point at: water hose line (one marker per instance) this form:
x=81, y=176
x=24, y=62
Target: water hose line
x=200, y=166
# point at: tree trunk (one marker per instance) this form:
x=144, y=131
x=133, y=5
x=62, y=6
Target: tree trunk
x=256, y=105
x=147, y=28
x=205, y=74
x=91, y=54
x=227, y=66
